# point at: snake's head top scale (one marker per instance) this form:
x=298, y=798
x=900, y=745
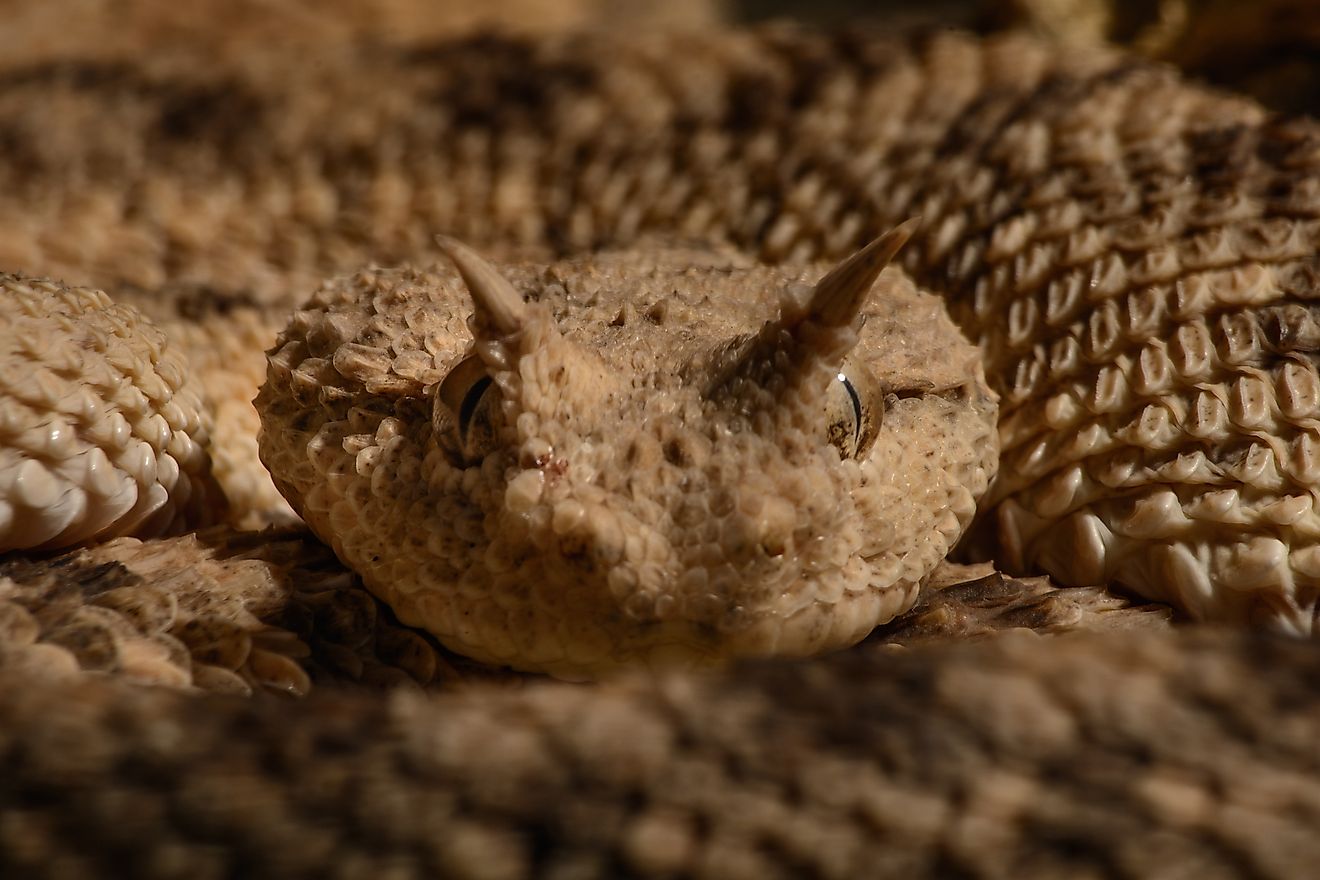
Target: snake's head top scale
x=614, y=461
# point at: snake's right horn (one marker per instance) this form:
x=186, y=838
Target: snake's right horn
x=497, y=303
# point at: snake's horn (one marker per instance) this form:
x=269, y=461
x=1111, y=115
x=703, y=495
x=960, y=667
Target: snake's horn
x=496, y=300
x=839, y=296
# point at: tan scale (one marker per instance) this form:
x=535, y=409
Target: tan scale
x=103, y=427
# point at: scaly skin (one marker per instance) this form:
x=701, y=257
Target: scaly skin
x=651, y=479
x=1134, y=256
x=1024, y=756
x=1132, y=253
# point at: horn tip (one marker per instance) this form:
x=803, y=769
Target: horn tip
x=450, y=246
x=841, y=293
x=885, y=247
x=492, y=295
x=908, y=227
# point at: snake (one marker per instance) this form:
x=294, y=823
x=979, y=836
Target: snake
x=686, y=416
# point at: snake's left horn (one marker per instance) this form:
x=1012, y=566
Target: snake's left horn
x=840, y=295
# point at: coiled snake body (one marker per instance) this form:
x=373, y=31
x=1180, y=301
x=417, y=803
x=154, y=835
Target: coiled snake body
x=629, y=457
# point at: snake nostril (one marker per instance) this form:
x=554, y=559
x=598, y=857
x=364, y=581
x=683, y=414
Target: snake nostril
x=677, y=453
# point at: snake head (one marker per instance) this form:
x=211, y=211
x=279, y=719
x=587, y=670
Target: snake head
x=669, y=457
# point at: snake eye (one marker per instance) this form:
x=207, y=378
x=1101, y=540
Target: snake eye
x=854, y=407
x=471, y=397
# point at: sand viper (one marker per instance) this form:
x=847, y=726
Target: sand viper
x=645, y=444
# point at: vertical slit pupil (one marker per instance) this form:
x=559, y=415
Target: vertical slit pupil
x=857, y=408
x=470, y=401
